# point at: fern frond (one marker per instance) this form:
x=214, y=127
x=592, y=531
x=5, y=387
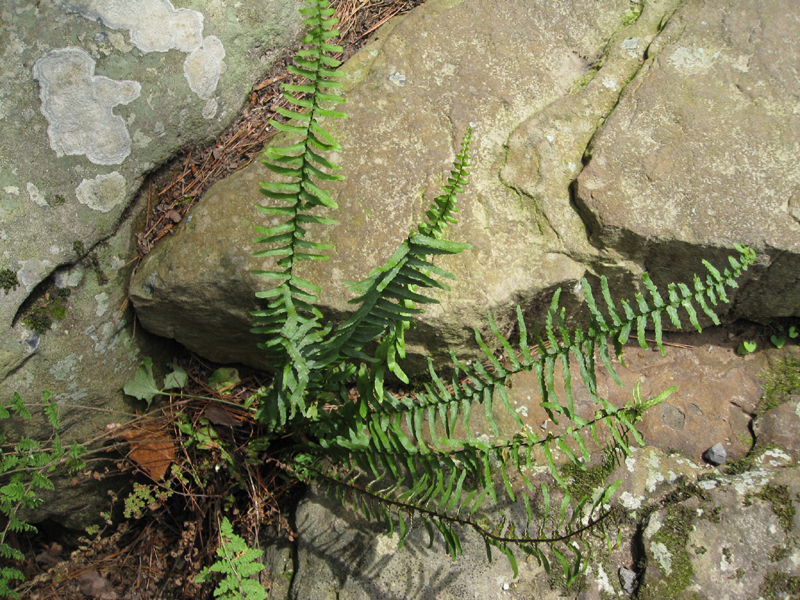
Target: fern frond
x=304, y=167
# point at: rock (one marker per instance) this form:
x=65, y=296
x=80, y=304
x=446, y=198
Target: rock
x=627, y=579
x=584, y=137
x=779, y=427
x=694, y=156
x=715, y=455
x=94, y=96
x=407, y=110
x=698, y=547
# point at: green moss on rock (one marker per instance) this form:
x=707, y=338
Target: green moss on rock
x=8, y=280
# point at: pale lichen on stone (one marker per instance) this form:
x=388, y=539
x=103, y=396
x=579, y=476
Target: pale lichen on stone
x=102, y=193
x=203, y=67
x=78, y=106
x=157, y=26
x=663, y=556
x=154, y=25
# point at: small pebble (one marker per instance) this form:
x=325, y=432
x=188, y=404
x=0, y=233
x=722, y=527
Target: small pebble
x=627, y=579
x=715, y=455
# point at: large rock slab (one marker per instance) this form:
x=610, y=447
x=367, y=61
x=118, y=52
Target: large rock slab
x=93, y=95
x=411, y=94
x=597, y=144
x=700, y=151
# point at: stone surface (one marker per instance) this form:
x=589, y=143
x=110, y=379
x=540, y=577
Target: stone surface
x=699, y=152
x=595, y=144
x=93, y=95
x=407, y=110
x=779, y=427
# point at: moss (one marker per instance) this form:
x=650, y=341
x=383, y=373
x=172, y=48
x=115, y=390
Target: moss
x=779, y=383
x=778, y=553
x=746, y=463
x=585, y=482
x=38, y=321
x=78, y=248
x=8, y=280
x=777, y=586
x=782, y=506
x=58, y=200
x=674, y=535
x=631, y=15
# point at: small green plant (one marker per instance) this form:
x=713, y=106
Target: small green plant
x=237, y=564
x=8, y=280
x=25, y=468
x=777, y=340
x=746, y=347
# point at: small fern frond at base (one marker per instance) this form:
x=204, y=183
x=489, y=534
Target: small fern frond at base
x=237, y=563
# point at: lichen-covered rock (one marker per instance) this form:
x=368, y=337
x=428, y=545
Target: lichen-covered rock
x=726, y=541
x=93, y=95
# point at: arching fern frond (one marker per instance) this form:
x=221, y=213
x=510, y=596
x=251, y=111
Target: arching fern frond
x=303, y=170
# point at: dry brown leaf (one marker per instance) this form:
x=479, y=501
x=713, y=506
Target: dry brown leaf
x=152, y=448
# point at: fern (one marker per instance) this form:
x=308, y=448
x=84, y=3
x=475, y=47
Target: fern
x=396, y=457
x=238, y=563
x=24, y=469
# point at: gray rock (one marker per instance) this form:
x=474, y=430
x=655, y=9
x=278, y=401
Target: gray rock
x=534, y=107
x=716, y=455
x=92, y=99
x=627, y=579
x=657, y=191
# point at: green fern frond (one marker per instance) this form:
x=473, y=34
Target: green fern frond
x=302, y=167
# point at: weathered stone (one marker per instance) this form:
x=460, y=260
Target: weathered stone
x=93, y=95
x=779, y=427
x=598, y=79
x=700, y=151
x=724, y=543
x=407, y=110
x=716, y=455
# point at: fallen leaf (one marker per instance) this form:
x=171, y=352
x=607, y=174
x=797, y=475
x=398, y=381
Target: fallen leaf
x=152, y=448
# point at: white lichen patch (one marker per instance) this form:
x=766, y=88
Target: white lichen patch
x=654, y=476
x=385, y=544
x=603, y=582
x=102, y=193
x=102, y=304
x=663, y=556
x=775, y=457
x=203, y=67
x=630, y=501
x=154, y=25
x=692, y=59
x=631, y=46
x=78, y=106
x=654, y=525
x=157, y=26
x=35, y=195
